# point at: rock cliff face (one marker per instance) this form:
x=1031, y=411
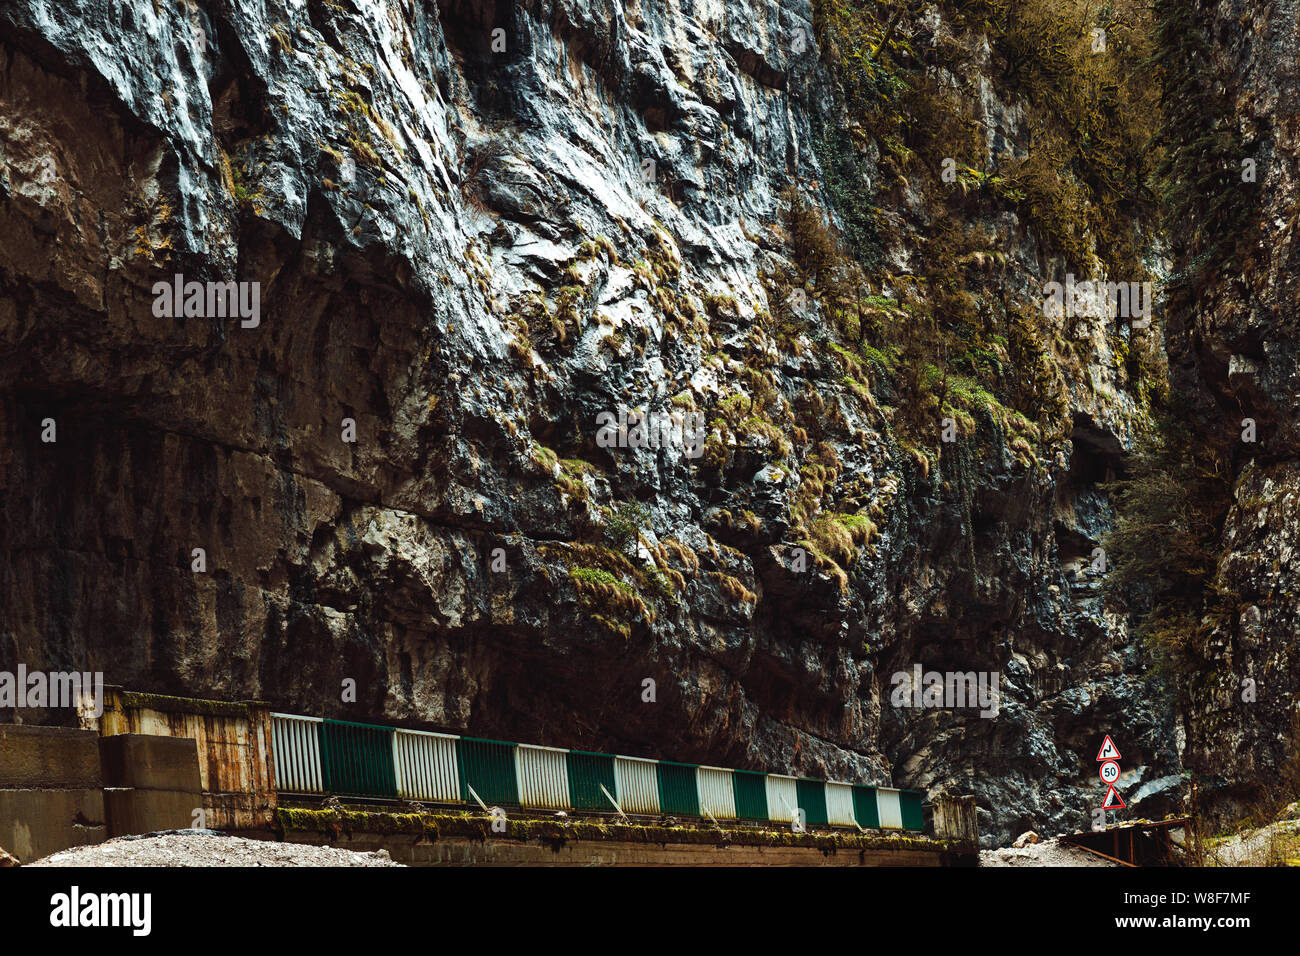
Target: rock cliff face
x=1233, y=349
x=476, y=226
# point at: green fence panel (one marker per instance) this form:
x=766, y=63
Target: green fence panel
x=587, y=771
x=751, y=795
x=909, y=802
x=357, y=759
x=678, y=791
x=865, y=807
x=812, y=799
x=489, y=767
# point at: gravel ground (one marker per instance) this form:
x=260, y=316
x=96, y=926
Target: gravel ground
x=206, y=848
x=1047, y=853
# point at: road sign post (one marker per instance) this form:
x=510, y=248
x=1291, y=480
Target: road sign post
x=1109, y=772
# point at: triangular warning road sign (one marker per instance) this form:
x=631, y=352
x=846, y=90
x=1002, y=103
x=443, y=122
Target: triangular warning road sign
x=1108, y=750
x=1113, y=795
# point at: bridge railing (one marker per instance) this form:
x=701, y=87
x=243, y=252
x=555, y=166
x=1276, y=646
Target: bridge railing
x=321, y=756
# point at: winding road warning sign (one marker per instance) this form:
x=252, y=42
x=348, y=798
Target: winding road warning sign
x=1108, y=750
x=1113, y=800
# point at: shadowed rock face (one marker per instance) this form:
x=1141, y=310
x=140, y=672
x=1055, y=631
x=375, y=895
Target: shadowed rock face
x=469, y=253
x=1235, y=351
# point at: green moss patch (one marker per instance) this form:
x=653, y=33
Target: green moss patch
x=435, y=826
x=184, y=705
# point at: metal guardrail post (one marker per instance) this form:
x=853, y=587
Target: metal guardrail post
x=615, y=802
x=477, y=798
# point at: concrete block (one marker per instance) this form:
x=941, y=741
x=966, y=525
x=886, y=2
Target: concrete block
x=48, y=758
x=36, y=823
x=148, y=762
x=132, y=811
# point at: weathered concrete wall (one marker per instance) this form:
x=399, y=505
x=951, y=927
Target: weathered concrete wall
x=233, y=741
x=956, y=819
x=61, y=787
x=50, y=790
x=461, y=851
x=150, y=783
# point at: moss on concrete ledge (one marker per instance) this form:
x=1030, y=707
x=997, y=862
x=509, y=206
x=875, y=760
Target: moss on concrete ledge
x=184, y=705
x=433, y=826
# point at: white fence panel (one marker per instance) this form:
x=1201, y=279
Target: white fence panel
x=637, y=783
x=782, y=798
x=426, y=766
x=839, y=805
x=891, y=814
x=543, y=777
x=717, y=792
x=297, y=753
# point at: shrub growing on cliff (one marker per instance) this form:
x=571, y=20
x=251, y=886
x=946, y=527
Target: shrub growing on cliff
x=1170, y=512
x=623, y=524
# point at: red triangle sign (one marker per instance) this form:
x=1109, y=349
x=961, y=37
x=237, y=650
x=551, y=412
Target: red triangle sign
x=1108, y=750
x=1113, y=794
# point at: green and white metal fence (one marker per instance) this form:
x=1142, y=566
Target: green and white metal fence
x=316, y=756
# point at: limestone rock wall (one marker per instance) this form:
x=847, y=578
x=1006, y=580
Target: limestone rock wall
x=476, y=226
